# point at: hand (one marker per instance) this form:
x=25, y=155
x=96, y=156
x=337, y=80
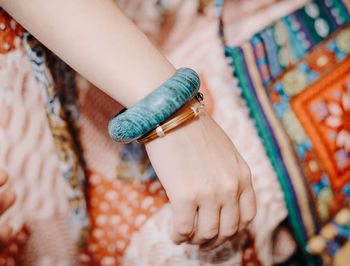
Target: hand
x=207, y=181
x=7, y=199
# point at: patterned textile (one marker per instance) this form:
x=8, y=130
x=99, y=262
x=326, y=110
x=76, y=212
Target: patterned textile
x=295, y=78
x=28, y=155
x=67, y=148
x=128, y=210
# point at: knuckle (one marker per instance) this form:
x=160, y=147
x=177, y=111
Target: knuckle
x=183, y=229
x=219, y=243
x=250, y=211
x=249, y=218
x=228, y=233
x=245, y=171
x=231, y=189
x=208, y=195
x=209, y=234
x=185, y=198
x=181, y=203
x=242, y=226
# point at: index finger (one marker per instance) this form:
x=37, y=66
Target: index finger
x=184, y=214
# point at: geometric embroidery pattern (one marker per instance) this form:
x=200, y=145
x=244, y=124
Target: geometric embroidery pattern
x=324, y=111
x=295, y=78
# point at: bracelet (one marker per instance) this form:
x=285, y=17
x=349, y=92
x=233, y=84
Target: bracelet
x=190, y=113
x=154, y=109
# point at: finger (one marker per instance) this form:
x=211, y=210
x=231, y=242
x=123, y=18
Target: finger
x=3, y=177
x=184, y=214
x=7, y=198
x=247, y=205
x=229, y=221
x=207, y=224
x=5, y=235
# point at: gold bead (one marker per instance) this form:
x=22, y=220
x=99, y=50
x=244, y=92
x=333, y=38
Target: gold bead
x=342, y=217
x=329, y=231
x=316, y=245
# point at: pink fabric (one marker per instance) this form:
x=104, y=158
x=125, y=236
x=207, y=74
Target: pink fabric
x=28, y=155
x=27, y=151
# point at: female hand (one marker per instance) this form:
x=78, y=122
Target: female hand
x=7, y=199
x=207, y=181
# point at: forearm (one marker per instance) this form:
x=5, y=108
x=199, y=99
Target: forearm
x=99, y=41
x=205, y=178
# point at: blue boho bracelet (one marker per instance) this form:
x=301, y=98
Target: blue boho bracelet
x=155, y=108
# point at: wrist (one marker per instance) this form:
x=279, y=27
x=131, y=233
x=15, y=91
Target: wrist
x=193, y=128
x=156, y=108
x=186, y=113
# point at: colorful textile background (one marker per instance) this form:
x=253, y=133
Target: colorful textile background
x=295, y=78
x=55, y=146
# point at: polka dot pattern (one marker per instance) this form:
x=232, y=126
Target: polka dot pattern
x=10, y=33
x=117, y=210
x=12, y=255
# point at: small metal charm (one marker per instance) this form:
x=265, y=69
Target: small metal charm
x=199, y=96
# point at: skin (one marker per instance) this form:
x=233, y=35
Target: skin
x=207, y=181
x=204, y=178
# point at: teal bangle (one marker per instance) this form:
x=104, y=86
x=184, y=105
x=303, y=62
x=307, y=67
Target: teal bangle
x=155, y=108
